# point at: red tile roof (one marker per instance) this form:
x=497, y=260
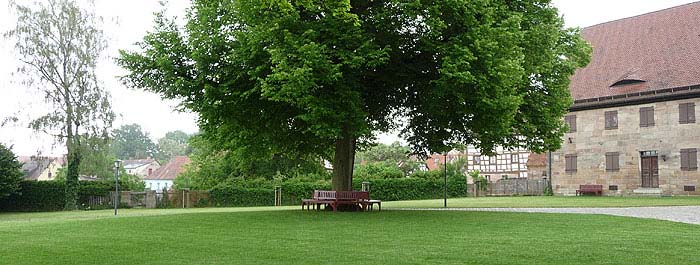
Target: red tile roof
x=661, y=48
x=170, y=171
x=536, y=160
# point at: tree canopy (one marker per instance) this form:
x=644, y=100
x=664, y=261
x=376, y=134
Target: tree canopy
x=131, y=142
x=320, y=77
x=175, y=143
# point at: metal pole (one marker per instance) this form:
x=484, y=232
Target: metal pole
x=445, y=193
x=116, y=185
x=549, y=168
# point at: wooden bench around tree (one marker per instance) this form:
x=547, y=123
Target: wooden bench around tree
x=335, y=198
x=590, y=188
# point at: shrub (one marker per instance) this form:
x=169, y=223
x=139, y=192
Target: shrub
x=37, y=196
x=224, y=195
x=413, y=188
x=479, y=180
x=378, y=170
x=10, y=172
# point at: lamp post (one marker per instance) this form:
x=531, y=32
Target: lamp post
x=117, y=164
x=445, y=193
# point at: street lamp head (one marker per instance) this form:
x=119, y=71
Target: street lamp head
x=117, y=163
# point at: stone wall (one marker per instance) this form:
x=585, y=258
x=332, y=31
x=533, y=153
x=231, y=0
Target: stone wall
x=591, y=141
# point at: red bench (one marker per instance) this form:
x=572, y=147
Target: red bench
x=335, y=198
x=589, y=188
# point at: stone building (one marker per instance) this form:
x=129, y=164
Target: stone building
x=632, y=125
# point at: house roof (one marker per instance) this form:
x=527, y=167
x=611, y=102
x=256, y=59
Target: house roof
x=135, y=163
x=170, y=171
x=657, y=50
x=536, y=160
x=33, y=166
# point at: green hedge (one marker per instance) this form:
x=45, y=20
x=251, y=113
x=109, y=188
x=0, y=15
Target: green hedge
x=405, y=189
x=235, y=194
x=39, y=196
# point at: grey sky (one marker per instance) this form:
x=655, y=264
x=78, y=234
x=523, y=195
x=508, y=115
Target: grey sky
x=134, y=17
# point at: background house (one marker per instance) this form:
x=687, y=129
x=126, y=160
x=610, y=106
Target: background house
x=164, y=176
x=632, y=125
x=40, y=168
x=141, y=167
x=504, y=163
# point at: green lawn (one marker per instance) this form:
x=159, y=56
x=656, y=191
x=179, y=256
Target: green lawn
x=548, y=202
x=282, y=236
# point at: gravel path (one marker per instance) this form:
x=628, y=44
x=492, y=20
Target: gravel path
x=682, y=214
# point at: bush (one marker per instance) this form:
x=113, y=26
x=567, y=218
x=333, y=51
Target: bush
x=39, y=196
x=241, y=194
x=10, y=172
x=225, y=195
x=378, y=170
x=36, y=196
x=413, y=188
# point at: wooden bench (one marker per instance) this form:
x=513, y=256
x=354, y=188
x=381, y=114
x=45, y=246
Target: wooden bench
x=335, y=198
x=589, y=188
x=320, y=197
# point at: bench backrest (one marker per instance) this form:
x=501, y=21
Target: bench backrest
x=326, y=194
x=340, y=195
x=591, y=187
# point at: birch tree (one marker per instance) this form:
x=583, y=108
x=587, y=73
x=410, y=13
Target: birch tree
x=59, y=43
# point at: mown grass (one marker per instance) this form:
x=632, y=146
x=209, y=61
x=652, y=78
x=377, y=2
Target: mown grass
x=264, y=236
x=548, y=202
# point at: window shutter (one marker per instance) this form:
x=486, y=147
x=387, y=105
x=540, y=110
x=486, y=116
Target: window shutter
x=573, y=163
x=684, y=159
x=642, y=118
x=693, y=159
x=611, y=120
x=650, y=116
x=682, y=113
x=571, y=121
x=690, y=109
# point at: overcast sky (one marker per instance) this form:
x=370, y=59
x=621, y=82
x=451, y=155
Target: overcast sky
x=126, y=21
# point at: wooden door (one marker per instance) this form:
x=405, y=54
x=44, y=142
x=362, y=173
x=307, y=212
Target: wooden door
x=650, y=172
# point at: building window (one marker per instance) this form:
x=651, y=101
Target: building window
x=646, y=117
x=571, y=122
x=686, y=113
x=150, y=170
x=570, y=163
x=514, y=158
x=611, y=120
x=612, y=161
x=492, y=159
x=477, y=160
x=689, y=159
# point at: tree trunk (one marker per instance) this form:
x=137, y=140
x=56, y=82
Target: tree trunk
x=73, y=148
x=72, y=174
x=343, y=163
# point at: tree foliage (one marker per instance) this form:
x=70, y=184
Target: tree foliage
x=211, y=166
x=59, y=44
x=394, y=155
x=320, y=77
x=130, y=141
x=175, y=143
x=10, y=172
